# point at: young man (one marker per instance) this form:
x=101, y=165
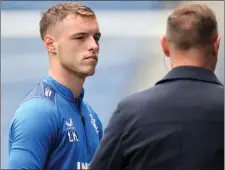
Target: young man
x=179, y=123
x=54, y=128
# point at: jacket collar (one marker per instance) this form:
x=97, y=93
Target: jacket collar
x=190, y=72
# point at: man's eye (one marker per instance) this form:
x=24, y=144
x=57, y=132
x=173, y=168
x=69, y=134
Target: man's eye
x=79, y=38
x=97, y=38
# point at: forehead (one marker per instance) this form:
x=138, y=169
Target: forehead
x=77, y=23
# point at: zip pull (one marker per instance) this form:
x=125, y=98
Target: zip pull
x=82, y=117
x=78, y=103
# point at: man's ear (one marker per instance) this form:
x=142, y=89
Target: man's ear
x=50, y=44
x=164, y=46
x=216, y=45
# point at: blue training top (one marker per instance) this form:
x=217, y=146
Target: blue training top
x=52, y=130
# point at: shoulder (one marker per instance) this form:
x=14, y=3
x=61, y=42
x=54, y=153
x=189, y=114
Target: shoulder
x=37, y=109
x=36, y=115
x=43, y=91
x=40, y=102
x=130, y=106
x=135, y=99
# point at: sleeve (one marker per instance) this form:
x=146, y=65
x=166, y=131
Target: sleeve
x=109, y=154
x=32, y=133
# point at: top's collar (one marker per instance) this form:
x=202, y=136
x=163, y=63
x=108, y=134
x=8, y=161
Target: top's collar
x=190, y=72
x=62, y=90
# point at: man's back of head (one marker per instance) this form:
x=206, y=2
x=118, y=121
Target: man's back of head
x=192, y=37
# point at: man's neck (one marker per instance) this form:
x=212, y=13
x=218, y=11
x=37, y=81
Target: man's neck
x=192, y=58
x=68, y=79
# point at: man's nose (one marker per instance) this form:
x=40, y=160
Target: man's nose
x=93, y=44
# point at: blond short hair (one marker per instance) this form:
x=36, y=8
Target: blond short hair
x=58, y=12
x=191, y=26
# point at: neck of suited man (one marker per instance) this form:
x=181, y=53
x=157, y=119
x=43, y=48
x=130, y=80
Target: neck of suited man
x=202, y=56
x=193, y=57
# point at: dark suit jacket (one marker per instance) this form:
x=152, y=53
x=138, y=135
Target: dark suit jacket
x=176, y=125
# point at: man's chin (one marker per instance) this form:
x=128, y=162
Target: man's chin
x=90, y=74
x=87, y=74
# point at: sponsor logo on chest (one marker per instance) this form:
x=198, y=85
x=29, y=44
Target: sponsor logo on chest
x=82, y=165
x=71, y=131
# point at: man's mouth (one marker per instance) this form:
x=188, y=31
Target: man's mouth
x=92, y=57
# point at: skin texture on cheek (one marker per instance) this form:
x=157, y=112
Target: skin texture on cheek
x=72, y=59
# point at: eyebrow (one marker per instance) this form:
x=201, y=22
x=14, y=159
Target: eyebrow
x=84, y=33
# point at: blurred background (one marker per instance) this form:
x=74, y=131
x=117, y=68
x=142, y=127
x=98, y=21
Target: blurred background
x=130, y=58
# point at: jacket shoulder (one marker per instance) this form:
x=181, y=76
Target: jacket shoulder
x=137, y=97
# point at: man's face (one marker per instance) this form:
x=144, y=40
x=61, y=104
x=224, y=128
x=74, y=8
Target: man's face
x=78, y=44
